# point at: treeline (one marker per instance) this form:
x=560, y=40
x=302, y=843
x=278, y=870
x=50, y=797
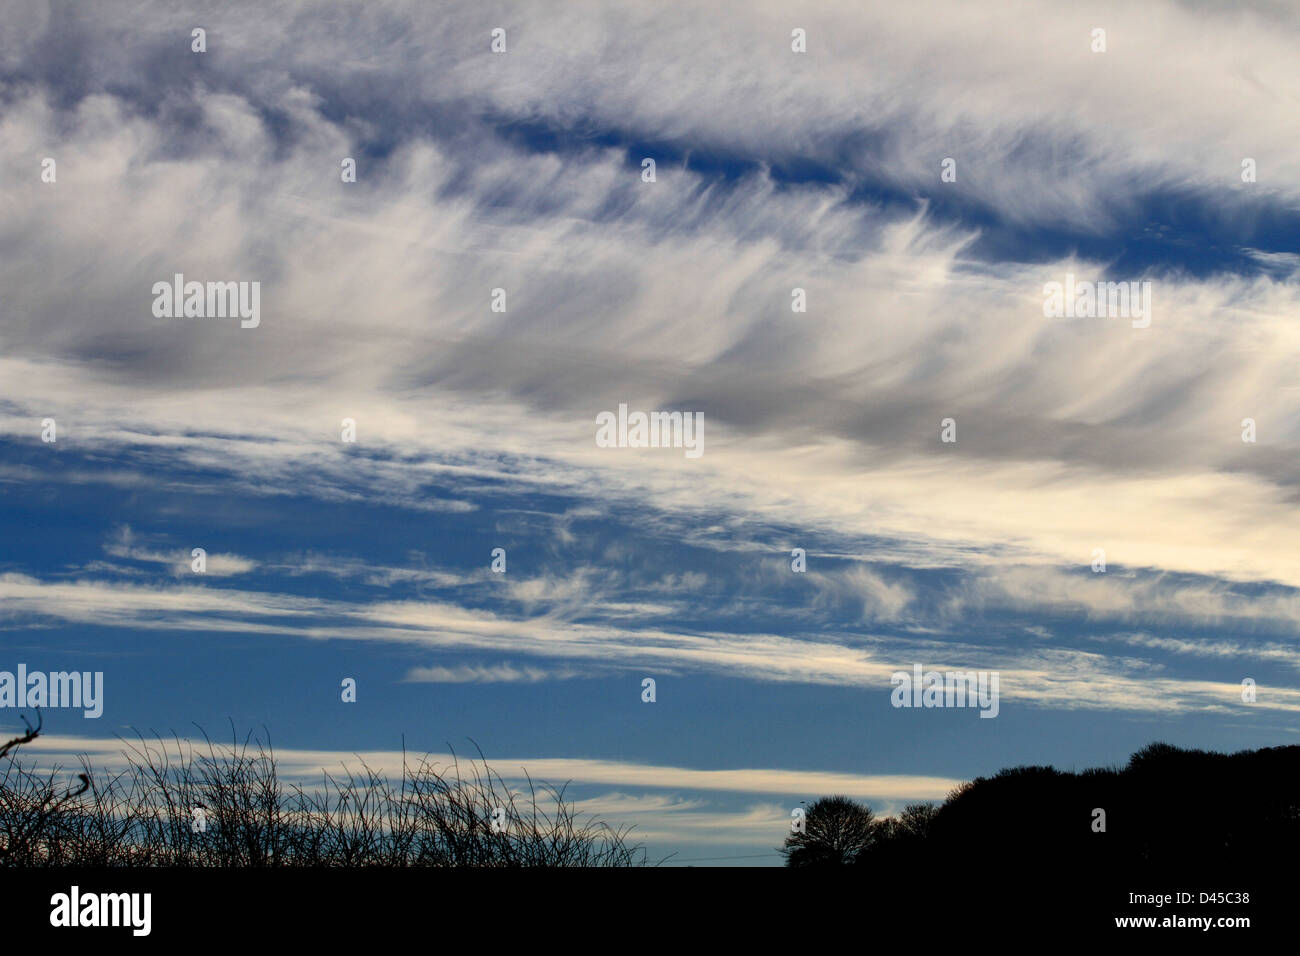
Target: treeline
x=1167, y=807
x=227, y=806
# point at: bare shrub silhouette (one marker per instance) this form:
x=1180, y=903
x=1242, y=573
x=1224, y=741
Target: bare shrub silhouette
x=176, y=804
x=30, y=804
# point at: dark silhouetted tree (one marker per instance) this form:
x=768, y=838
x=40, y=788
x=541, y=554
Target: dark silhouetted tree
x=837, y=831
x=1178, y=809
x=915, y=820
x=899, y=838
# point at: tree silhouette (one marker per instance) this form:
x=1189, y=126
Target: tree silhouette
x=836, y=831
x=1169, y=807
x=915, y=820
x=900, y=839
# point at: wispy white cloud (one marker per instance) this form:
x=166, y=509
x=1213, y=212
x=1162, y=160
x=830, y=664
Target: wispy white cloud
x=179, y=561
x=1071, y=436
x=488, y=674
x=1040, y=677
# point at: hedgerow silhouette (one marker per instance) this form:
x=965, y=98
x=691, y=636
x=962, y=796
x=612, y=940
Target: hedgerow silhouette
x=1168, y=806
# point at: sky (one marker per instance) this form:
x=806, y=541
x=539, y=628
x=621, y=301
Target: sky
x=1075, y=504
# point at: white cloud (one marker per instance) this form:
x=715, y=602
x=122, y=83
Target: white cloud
x=1072, y=436
x=488, y=674
x=1058, y=678
x=178, y=560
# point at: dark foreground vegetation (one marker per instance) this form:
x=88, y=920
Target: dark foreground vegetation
x=226, y=806
x=1167, y=807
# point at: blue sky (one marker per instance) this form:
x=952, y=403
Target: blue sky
x=476, y=429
